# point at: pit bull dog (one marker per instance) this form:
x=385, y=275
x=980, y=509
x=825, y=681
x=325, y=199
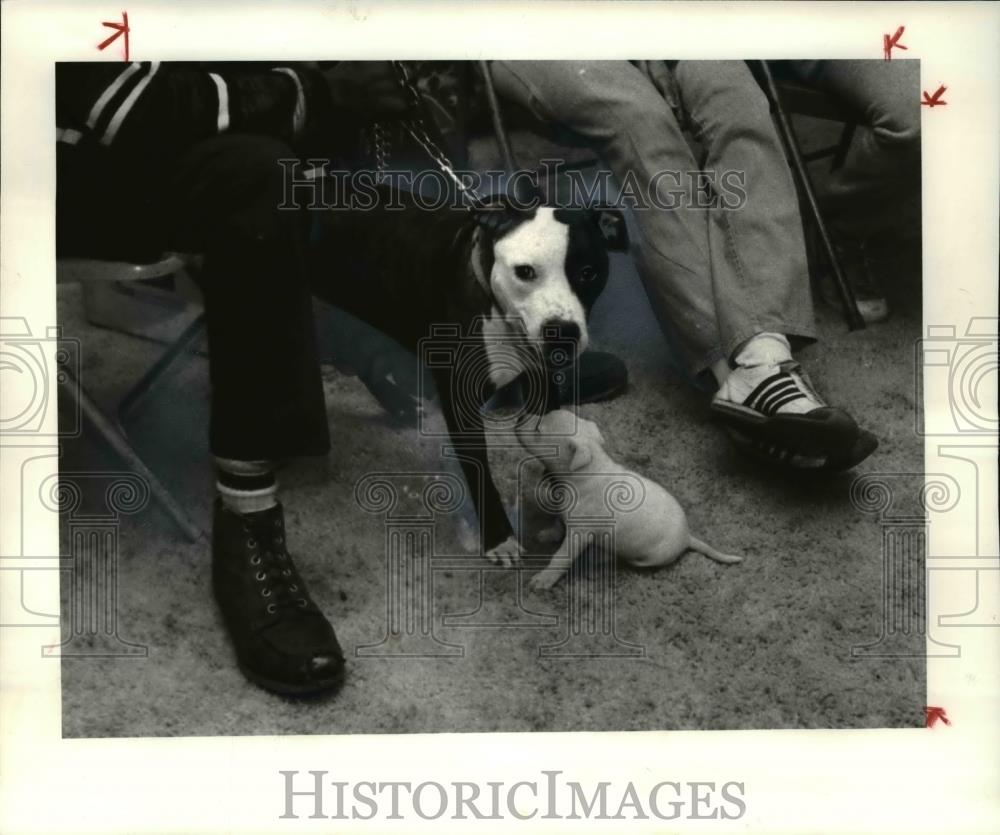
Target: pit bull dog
x=496, y=287
x=654, y=533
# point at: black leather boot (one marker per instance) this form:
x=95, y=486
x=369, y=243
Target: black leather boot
x=283, y=642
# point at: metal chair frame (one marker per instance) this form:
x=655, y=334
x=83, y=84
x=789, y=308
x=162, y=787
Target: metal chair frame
x=785, y=98
x=113, y=430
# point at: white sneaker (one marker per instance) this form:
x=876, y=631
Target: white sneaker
x=773, y=412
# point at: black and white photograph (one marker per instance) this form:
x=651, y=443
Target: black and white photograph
x=491, y=396
x=576, y=411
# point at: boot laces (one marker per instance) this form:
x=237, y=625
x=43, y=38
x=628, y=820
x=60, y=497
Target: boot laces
x=277, y=578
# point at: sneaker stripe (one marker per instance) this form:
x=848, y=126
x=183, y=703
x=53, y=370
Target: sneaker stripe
x=765, y=385
x=766, y=403
x=775, y=405
x=777, y=390
x=778, y=387
x=805, y=384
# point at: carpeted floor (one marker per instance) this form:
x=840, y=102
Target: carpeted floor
x=764, y=644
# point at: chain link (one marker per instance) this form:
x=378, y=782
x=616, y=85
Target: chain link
x=382, y=147
x=417, y=129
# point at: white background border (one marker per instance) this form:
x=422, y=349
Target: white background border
x=940, y=779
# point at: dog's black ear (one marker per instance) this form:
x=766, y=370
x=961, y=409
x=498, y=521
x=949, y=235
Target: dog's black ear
x=611, y=223
x=494, y=218
x=499, y=213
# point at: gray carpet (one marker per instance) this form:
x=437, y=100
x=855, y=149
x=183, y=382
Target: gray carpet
x=764, y=644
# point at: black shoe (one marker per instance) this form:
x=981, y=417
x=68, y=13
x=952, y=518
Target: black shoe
x=597, y=376
x=283, y=642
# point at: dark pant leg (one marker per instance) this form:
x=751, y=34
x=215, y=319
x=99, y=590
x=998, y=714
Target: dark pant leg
x=267, y=394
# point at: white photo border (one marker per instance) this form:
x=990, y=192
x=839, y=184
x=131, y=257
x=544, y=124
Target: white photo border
x=944, y=778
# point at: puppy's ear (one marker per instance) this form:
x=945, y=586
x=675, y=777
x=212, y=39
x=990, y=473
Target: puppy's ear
x=611, y=223
x=582, y=455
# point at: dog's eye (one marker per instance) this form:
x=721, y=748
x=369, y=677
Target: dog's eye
x=587, y=274
x=524, y=272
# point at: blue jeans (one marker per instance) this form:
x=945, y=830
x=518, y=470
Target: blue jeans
x=715, y=277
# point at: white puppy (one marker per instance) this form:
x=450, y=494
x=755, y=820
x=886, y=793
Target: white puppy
x=650, y=527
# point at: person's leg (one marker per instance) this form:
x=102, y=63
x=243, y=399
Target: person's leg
x=715, y=278
x=757, y=249
x=267, y=400
x=715, y=282
x=876, y=192
x=760, y=279
x=267, y=397
x=883, y=161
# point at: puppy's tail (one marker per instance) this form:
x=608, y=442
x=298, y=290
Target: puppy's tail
x=711, y=553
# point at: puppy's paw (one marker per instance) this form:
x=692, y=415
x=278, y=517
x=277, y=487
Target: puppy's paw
x=546, y=579
x=552, y=535
x=507, y=553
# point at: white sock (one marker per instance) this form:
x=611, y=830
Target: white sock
x=756, y=362
x=764, y=349
x=246, y=486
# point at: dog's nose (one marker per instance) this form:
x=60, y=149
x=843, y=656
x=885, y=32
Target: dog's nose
x=560, y=330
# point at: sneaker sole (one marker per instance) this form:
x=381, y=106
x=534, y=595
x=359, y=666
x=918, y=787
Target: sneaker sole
x=864, y=445
x=831, y=442
x=832, y=433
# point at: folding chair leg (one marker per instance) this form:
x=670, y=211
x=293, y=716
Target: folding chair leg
x=854, y=318
x=503, y=140
x=843, y=146
x=109, y=432
x=158, y=371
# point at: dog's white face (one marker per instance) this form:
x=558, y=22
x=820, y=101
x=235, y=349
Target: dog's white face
x=530, y=279
x=545, y=273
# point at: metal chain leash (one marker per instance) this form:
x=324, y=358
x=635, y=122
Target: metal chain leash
x=382, y=147
x=416, y=127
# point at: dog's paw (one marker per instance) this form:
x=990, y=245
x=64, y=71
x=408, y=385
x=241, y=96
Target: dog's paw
x=507, y=553
x=545, y=579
